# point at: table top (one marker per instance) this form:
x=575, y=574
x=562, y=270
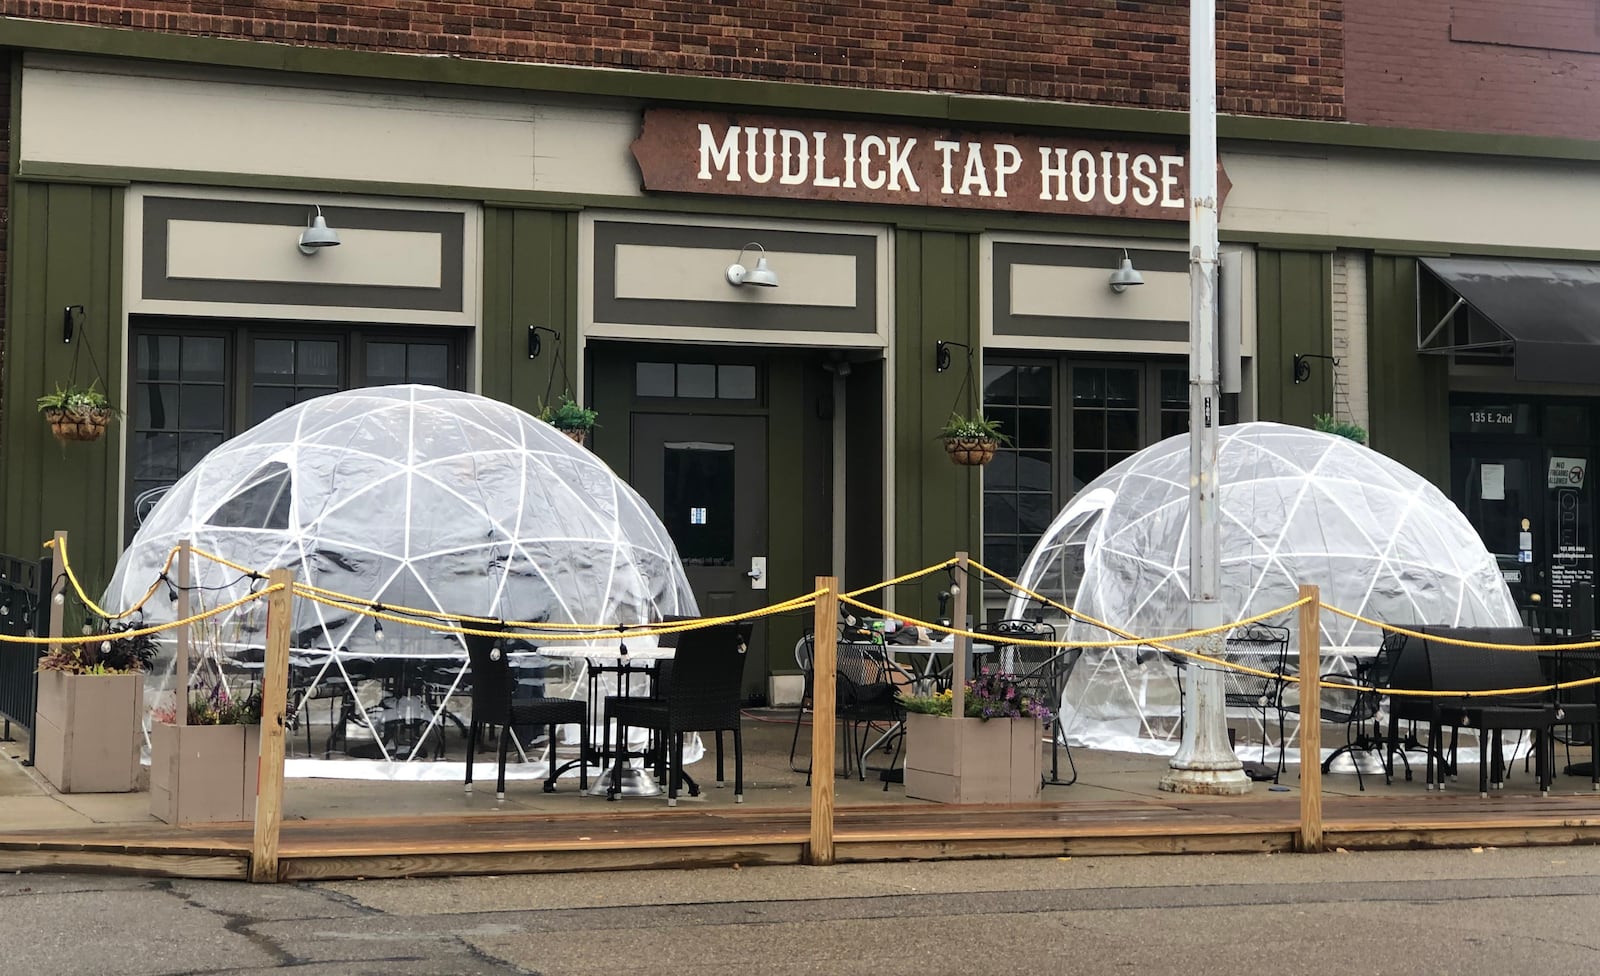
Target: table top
x=640, y=647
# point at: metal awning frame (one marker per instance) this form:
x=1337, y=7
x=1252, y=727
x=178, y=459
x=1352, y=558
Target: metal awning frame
x=1426, y=343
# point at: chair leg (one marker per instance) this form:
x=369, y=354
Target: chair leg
x=500, y=782
x=794, y=743
x=550, y=764
x=472, y=745
x=583, y=755
x=615, y=772
x=1483, y=762
x=738, y=763
x=675, y=772
x=720, y=777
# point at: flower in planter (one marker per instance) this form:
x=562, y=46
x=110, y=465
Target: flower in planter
x=214, y=706
x=991, y=694
x=107, y=654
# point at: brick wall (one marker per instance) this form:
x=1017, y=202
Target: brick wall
x=1350, y=336
x=1276, y=57
x=1529, y=68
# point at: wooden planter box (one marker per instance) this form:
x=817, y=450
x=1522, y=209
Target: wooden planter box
x=86, y=731
x=968, y=760
x=202, y=773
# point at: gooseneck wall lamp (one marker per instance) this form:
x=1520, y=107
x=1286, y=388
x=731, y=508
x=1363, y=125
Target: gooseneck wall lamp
x=1126, y=275
x=317, y=235
x=762, y=274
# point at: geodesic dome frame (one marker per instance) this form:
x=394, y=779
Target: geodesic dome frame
x=1296, y=506
x=401, y=496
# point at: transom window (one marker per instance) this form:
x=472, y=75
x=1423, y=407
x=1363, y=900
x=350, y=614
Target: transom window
x=699, y=381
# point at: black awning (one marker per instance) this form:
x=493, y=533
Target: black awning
x=1550, y=310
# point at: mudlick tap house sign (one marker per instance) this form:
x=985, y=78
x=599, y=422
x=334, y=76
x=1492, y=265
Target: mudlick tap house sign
x=683, y=151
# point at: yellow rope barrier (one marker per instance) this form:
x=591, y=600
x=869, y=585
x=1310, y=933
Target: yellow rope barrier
x=96, y=609
x=902, y=579
x=142, y=631
x=1394, y=629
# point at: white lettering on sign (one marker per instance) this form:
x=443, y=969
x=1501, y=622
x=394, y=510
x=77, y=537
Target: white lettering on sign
x=796, y=157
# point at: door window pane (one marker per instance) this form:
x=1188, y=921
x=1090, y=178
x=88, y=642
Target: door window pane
x=698, y=500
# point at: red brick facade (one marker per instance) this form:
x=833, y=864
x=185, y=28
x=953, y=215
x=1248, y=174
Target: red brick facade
x=1276, y=57
x=1525, y=68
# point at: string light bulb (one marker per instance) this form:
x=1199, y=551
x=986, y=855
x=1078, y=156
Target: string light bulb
x=60, y=599
x=377, y=630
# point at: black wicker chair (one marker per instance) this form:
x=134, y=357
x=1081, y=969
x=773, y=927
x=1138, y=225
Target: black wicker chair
x=493, y=705
x=702, y=694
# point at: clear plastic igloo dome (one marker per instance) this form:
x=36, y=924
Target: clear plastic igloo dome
x=1296, y=506
x=400, y=496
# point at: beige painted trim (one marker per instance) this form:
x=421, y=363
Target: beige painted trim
x=1058, y=292
x=202, y=250
x=1071, y=293
x=163, y=117
x=691, y=274
x=718, y=262
x=1465, y=200
x=364, y=257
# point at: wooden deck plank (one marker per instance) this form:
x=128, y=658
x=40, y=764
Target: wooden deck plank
x=511, y=842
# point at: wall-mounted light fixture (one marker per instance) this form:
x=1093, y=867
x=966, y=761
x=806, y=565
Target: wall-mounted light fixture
x=71, y=322
x=941, y=354
x=1126, y=275
x=317, y=235
x=762, y=274
x=1302, y=368
x=534, y=345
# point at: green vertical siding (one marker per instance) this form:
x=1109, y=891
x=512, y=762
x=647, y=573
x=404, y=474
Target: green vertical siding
x=1294, y=314
x=529, y=278
x=1409, y=401
x=66, y=249
x=936, y=504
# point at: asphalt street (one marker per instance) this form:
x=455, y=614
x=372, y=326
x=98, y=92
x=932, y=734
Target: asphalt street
x=1463, y=912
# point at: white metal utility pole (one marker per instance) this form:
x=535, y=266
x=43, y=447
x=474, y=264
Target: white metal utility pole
x=1205, y=762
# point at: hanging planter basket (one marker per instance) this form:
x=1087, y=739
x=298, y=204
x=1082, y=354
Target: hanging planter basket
x=970, y=451
x=78, y=425
x=576, y=434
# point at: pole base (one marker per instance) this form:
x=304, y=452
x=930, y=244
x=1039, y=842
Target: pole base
x=1207, y=782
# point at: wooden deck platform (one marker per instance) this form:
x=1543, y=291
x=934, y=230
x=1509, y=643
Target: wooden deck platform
x=686, y=838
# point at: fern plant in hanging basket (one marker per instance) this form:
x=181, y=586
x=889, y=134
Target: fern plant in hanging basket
x=77, y=413
x=569, y=417
x=971, y=441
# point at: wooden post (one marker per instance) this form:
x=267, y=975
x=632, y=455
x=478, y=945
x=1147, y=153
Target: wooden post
x=274, y=718
x=180, y=679
x=58, y=589
x=824, y=665
x=1311, y=720
x=962, y=644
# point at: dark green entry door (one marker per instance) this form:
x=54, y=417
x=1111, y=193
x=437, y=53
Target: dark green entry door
x=706, y=477
x=1520, y=472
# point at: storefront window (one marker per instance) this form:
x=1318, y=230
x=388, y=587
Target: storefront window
x=193, y=385
x=1069, y=421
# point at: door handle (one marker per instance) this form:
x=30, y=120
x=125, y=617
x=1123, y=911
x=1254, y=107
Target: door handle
x=758, y=572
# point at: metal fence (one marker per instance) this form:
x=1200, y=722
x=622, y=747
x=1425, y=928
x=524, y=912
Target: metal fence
x=21, y=610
